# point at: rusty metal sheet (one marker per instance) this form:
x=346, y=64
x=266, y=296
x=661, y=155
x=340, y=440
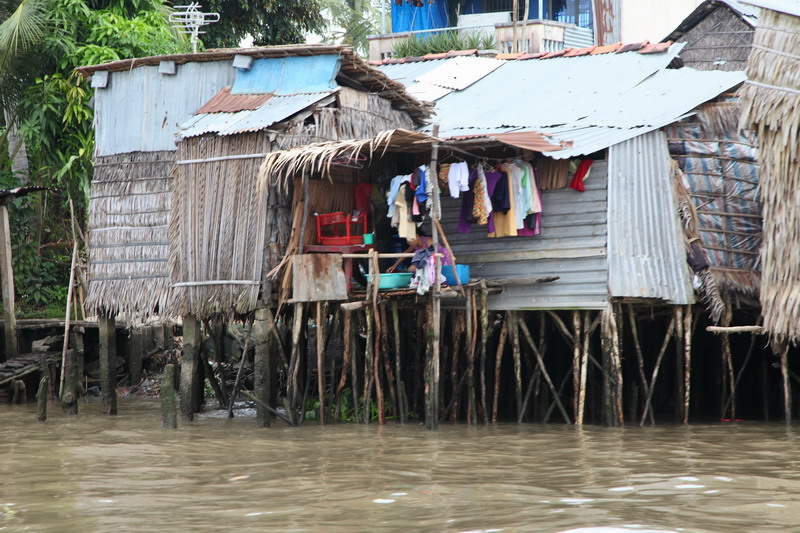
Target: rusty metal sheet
x=318, y=277
x=225, y=102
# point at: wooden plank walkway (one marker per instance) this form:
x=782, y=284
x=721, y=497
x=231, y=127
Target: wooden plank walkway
x=23, y=365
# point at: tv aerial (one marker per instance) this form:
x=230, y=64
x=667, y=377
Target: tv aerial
x=189, y=19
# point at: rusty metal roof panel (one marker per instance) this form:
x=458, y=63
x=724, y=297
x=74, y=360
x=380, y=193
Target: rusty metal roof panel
x=225, y=102
x=277, y=109
x=274, y=110
x=646, y=253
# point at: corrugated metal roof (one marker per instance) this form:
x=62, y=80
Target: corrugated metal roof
x=276, y=109
x=460, y=72
x=790, y=7
x=288, y=75
x=225, y=102
x=427, y=92
x=407, y=73
x=572, y=246
x=593, y=101
x=646, y=255
x=141, y=109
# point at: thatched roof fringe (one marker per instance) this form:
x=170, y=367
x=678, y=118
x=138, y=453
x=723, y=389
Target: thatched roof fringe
x=771, y=102
x=318, y=158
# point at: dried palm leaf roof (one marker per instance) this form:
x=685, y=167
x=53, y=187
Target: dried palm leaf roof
x=318, y=158
x=353, y=68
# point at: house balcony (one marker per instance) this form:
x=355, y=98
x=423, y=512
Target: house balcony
x=531, y=36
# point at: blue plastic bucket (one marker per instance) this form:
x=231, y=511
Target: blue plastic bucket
x=449, y=276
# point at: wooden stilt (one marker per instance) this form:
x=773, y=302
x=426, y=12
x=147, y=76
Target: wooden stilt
x=680, y=343
x=648, y=407
x=294, y=363
x=472, y=415
x=545, y=374
x=354, y=375
x=517, y=355
x=640, y=360
x=612, y=368
x=7, y=279
x=41, y=393
x=576, y=363
x=498, y=360
x=402, y=400
x=587, y=327
x=346, y=354
x=135, y=355
x=484, y=340
x=73, y=379
x=261, y=365
x=238, y=382
x=169, y=412
x=369, y=355
x=108, y=364
x=387, y=364
x=320, y=361
x=608, y=386
x=787, y=386
x=730, y=380
x=434, y=385
x=457, y=327
x=687, y=362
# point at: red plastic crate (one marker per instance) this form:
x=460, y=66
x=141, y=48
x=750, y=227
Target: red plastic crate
x=340, y=229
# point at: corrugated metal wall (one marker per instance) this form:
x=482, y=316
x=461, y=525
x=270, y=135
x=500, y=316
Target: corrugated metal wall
x=576, y=37
x=572, y=245
x=646, y=252
x=140, y=110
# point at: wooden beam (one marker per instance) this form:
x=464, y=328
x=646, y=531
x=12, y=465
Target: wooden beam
x=7, y=274
x=108, y=363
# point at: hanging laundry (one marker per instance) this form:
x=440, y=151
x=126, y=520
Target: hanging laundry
x=465, y=218
x=406, y=228
x=480, y=213
x=444, y=172
x=391, y=197
x=458, y=179
x=504, y=220
x=362, y=197
x=554, y=173
x=581, y=173
x=421, y=184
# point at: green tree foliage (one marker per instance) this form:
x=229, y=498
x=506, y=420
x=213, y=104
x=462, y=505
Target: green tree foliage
x=41, y=43
x=268, y=22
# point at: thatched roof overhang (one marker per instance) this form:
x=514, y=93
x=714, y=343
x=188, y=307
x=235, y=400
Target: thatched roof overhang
x=353, y=69
x=771, y=104
x=319, y=158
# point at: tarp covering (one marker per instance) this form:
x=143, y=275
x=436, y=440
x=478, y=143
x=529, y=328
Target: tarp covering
x=288, y=75
x=429, y=16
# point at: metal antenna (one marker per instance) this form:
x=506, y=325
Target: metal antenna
x=189, y=19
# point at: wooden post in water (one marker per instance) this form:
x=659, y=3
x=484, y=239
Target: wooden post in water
x=432, y=380
x=41, y=393
x=7, y=278
x=169, y=412
x=368, y=356
x=501, y=345
x=687, y=362
x=135, y=355
x=783, y=348
x=108, y=363
x=320, y=362
x=402, y=400
x=190, y=367
x=576, y=366
x=73, y=386
x=484, y=340
x=517, y=354
x=261, y=364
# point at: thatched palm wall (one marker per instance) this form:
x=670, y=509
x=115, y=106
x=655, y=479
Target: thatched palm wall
x=771, y=102
x=229, y=231
x=219, y=225
x=129, y=213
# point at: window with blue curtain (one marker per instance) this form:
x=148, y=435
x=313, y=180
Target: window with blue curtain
x=578, y=12
x=417, y=15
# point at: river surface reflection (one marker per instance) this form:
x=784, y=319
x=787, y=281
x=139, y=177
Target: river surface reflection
x=93, y=473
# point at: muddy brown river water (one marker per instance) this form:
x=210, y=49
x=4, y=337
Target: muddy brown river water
x=93, y=473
